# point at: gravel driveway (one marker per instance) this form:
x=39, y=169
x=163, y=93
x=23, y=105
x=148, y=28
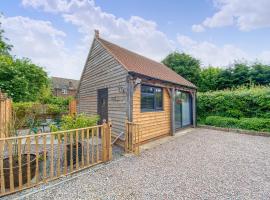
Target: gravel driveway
x=203, y=164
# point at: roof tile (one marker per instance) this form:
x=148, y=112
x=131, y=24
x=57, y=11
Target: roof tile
x=134, y=62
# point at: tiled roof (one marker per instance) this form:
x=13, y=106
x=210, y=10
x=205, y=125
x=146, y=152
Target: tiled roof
x=139, y=64
x=60, y=83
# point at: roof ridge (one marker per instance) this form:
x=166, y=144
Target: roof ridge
x=140, y=60
x=132, y=51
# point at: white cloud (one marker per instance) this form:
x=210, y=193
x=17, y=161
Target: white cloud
x=135, y=33
x=44, y=44
x=246, y=15
x=209, y=53
x=197, y=28
x=264, y=57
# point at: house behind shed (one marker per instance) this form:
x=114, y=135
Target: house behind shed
x=118, y=84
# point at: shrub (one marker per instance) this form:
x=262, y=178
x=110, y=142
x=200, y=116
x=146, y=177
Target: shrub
x=69, y=122
x=26, y=113
x=257, y=124
x=221, y=121
x=237, y=103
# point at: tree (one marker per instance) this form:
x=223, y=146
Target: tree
x=20, y=78
x=184, y=65
x=240, y=74
x=260, y=74
x=209, y=79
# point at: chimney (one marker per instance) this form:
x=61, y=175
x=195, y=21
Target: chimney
x=96, y=33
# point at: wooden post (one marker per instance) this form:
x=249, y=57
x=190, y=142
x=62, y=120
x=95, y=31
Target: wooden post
x=126, y=135
x=109, y=142
x=172, y=111
x=106, y=141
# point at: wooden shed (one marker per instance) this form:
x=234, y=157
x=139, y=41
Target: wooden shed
x=119, y=84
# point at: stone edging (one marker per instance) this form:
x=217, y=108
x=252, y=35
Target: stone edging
x=241, y=131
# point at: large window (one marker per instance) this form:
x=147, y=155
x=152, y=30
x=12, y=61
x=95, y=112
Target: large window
x=151, y=98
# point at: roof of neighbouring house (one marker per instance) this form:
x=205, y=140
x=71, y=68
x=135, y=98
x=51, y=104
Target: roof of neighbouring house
x=139, y=64
x=60, y=83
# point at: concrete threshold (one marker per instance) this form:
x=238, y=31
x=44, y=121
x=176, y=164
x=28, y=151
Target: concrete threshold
x=161, y=141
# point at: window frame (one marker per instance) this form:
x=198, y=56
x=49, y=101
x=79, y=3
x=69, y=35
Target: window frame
x=156, y=108
x=64, y=91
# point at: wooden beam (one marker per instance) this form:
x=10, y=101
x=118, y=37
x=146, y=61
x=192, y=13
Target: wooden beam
x=172, y=111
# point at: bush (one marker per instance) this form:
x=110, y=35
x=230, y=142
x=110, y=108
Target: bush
x=26, y=113
x=221, y=121
x=238, y=103
x=257, y=124
x=69, y=122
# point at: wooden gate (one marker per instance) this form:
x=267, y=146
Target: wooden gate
x=26, y=161
x=132, y=138
x=5, y=115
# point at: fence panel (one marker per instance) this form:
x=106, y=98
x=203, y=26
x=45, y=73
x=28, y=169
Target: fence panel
x=26, y=161
x=132, y=138
x=5, y=114
x=72, y=107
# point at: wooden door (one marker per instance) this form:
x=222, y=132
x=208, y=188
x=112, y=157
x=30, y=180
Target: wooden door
x=102, y=108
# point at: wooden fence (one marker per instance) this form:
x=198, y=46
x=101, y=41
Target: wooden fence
x=26, y=161
x=72, y=107
x=5, y=114
x=132, y=138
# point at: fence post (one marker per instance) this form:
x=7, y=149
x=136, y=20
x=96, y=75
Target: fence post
x=109, y=140
x=126, y=135
x=106, y=141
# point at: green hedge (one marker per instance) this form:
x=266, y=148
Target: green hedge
x=257, y=124
x=237, y=103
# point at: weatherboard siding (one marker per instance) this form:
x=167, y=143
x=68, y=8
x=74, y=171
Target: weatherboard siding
x=152, y=124
x=103, y=71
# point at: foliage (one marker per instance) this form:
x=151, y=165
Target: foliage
x=69, y=122
x=237, y=75
x=219, y=121
x=185, y=65
x=209, y=79
x=217, y=78
x=257, y=124
x=5, y=48
x=29, y=113
x=20, y=78
x=237, y=103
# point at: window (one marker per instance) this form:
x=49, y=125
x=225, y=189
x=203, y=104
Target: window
x=151, y=98
x=64, y=91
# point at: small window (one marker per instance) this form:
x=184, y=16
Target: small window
x=151, y=98
x=64, y=91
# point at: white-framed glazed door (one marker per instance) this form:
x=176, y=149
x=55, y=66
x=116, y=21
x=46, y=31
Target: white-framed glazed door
x=186, y=109
x=177, y=110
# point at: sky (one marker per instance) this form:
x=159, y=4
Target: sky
x=57, y=34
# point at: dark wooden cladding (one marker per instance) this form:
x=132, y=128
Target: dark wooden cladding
x=102, y=70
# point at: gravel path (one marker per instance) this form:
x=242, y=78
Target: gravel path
x=203, y=164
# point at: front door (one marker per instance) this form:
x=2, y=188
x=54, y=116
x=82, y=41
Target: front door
x=102, y=104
